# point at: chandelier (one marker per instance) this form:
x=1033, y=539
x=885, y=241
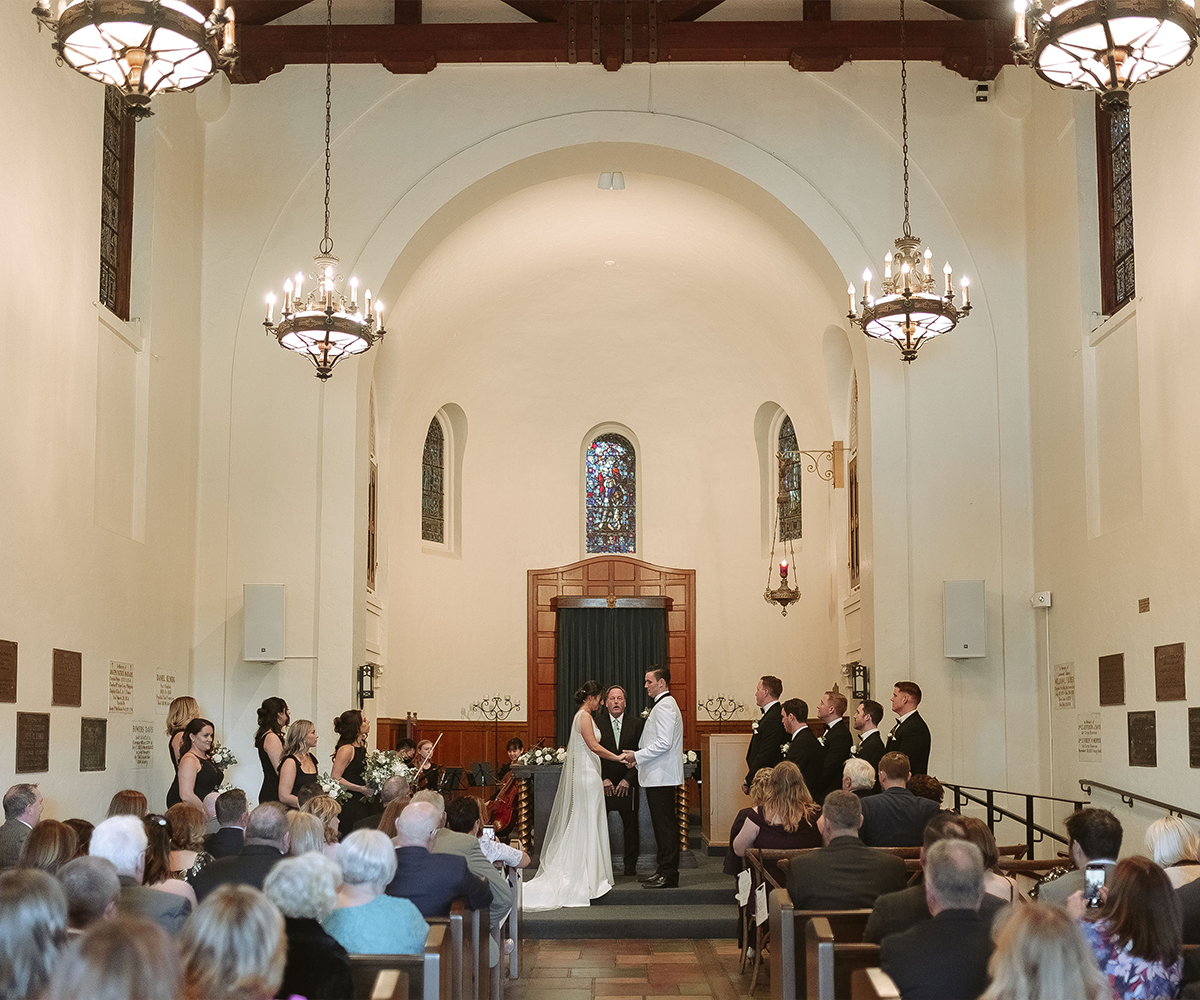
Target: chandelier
x=1104, y=45
x=910, y=311
x=323, y=325
x=141, y=47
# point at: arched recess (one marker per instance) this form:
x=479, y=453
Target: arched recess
x=600, y=430
x=453, y=422
x=767, y=423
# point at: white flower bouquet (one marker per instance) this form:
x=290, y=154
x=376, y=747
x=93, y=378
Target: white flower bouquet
x=692, y=757
x=227, y=786
x=221, y=756
x=381, y=765
x=333, y=788
x=543, y=755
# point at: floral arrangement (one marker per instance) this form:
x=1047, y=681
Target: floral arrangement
x=692, y=756
x=222, y=756
x=380, y=765
x=543, y=755
x=333, y=788
x=227, y=786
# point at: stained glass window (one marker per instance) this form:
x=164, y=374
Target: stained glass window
x=789, y=482
x=116, y=204
x=1116, y=207
x=433, y=485
x=611, y=495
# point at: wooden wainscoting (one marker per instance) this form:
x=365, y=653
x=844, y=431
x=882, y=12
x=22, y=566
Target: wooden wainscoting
x=464, y=741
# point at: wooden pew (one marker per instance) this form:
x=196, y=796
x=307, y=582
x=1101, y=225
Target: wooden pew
x=830, y=963
x=872, y=984
x=405, y=977
x=457, y=934
x=790, y=973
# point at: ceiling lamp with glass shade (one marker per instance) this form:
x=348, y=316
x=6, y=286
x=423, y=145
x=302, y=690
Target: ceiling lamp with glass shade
x=141, y=47
x=324, y=324
x=911, y=311
x=1104, y=45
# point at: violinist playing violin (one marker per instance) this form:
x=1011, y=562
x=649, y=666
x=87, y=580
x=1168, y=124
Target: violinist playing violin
x=427, y=771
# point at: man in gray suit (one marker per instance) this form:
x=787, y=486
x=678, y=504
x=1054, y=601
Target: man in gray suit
x=122, y=839
x=22, y=812
x=1094, y=838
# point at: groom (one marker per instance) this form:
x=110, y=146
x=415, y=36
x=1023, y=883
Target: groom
x=659, y=761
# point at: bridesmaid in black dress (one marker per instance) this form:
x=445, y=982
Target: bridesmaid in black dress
x=299, y=768
x=198, y=778
x=348, y=761
x=273, y=717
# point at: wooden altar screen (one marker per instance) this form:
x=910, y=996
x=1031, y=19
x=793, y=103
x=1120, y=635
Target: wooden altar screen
x=616, y=577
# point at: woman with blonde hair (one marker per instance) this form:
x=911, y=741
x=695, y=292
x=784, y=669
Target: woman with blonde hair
x=125, y=958
x=183, y=709
x=233, y=947
x=786, y=820
x=1173, y=846
x=327, y=810
x=1041, y=955
x=306, y=833
x=299, y=767
x=188, y=827
x=757, y=794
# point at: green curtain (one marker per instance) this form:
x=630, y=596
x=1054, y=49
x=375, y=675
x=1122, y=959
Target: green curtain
x=609, y=645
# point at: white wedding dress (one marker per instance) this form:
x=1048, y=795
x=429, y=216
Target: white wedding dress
x=576, y=863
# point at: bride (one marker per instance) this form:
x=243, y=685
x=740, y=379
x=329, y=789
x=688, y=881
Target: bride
x=576, y=864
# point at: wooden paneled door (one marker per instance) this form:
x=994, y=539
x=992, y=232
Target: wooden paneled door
x=611, y=576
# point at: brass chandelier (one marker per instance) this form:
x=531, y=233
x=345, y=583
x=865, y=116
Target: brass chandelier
x=1104, y=45
x=141, y=47
x=323, y=324
x=910, y=312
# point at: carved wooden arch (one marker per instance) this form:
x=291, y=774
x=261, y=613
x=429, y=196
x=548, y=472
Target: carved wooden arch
x=610, y=577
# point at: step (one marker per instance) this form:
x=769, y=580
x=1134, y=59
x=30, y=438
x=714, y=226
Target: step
x=648, y=921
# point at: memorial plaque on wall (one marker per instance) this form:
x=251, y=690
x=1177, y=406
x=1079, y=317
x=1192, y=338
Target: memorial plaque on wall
x=1194, y=737
x=1168, y=673
x=66, y=679
x=142, y=742
x=1143, y=740
x=1112, y=679
x=8, y=671
x=120, y=688
x=33, y=742
x=1090, y=744
x=93, y=744
x=166, y=688
x=1064, y=685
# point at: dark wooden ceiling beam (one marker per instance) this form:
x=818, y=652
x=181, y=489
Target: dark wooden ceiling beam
x=969, y=48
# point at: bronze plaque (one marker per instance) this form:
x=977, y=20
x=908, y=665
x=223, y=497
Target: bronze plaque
x=8, y=671
x=1112, y=679
x=1168, y=673
x=66, y=679
x=93, y=744
x=1143, y=739
x=1194, y=737
x=33, y=742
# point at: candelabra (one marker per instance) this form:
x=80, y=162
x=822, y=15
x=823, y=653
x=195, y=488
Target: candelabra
x=720, y=709
x=495, y=709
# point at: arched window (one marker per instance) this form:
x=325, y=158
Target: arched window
x=433, y=484
x=611, y=500
x=789, y=482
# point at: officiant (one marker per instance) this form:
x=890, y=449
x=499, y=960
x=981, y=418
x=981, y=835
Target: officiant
x=618, y=732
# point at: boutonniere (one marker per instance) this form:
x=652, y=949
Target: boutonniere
x=645, y=713
x=754, y=728
x=893, y=732
x=821, y=740
x=853, y=751
x=784, y=747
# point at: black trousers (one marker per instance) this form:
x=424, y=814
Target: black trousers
x=661, y=801
x=629, y=826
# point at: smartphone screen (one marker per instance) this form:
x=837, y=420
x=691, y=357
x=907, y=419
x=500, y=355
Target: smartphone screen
x=1094, y=881
x=489, y=833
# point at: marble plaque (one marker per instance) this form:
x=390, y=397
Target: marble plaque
x=143, y=744
x=1168, y=673
x=1064, y=685
x=8, y=671
x=165, y=679
x=120, y=688
x=1194, y=737
x=1112, y=679
x=93, y=744
x=66, y=679
x=33, y=742
x=1090, y=746
x=1143, y=739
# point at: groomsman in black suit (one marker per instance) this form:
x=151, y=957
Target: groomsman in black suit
x=766, y=745
x=836, y=742
x=803, y=749
x=910, y=735
x=618, y=732
x=870, y=741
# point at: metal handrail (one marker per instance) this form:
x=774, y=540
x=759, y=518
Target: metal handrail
x=1032, y=829
x=1130, y=797
x=1002, y=791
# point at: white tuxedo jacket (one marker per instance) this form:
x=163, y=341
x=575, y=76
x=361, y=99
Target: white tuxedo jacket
x=660, y=753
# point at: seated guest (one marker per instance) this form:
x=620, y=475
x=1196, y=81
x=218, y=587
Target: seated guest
x=123, y=841
x=121, y=959
x=1093, y=837
x=306, y=833
x=994, y=884
x=22, y=812
x=50, y=845
x=895, y=817
x=858, y=776
x=1041, y=955
x=157, y=874
x=365, y=920
x=395, y=789
x=845, y=874
x=391, y=813
x=945, y=958
x=787, y=818
x=1135, y=933
x=431, y=881
x=232, y=814
x=83, y=835
x=266, y=842
x=128, y=802
x=459, y=836
x=234, y=947
x=33, y=930
x=1172, y=845
x=926, y=786
x=188, y=856
x=328, y=811
x=92, y=887
x=758, y=795
x=305, y=890
x=308, y=792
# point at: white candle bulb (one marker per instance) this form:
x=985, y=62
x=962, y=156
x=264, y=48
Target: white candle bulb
x=887, y=267
x=270, y=307
x=966, y=290
x=866, y=283
x=1019, y=22
x=287, y=296
x=928, y=256
x=850, y=292
x=906, y=272
x=353, y=291
x=947, y=271
x=378, y=314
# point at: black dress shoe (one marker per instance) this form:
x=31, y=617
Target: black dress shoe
x=648, y=878
x=661, y=882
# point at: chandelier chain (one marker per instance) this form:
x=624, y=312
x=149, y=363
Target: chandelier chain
x=327, y=243
x=903, y=110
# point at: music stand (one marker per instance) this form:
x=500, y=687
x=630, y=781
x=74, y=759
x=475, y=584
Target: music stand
x=450, y=779
x=483, y=774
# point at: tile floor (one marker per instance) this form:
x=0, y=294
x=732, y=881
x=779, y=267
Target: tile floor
x=582, y=970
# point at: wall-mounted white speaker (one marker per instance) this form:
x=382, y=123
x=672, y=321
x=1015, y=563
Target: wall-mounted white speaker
x=964, y=607
x=263, y=604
